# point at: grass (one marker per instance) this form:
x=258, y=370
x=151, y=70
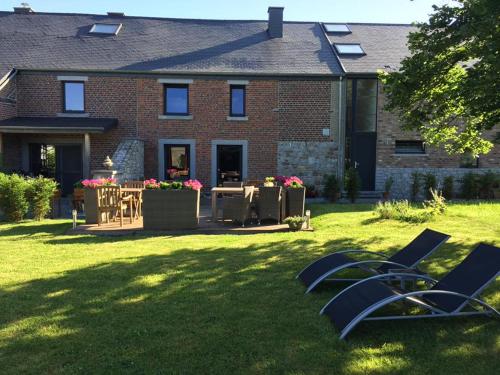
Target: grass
x=224, y=303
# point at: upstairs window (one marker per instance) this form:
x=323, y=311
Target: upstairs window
x=337, y=28
x=410, y=147
x=349, y=49
x=177, y=99
x=237, y=107
x=74, y=97
x=106, y=28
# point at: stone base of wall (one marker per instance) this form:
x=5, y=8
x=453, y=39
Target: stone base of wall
x=401, y=189
x=128, y=159
x=310, y=161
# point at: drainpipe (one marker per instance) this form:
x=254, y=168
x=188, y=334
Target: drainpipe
x=341, y=134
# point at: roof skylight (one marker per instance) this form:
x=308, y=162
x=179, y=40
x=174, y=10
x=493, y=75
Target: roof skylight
x=106, y=28
x=337, y=28
x=349, y=49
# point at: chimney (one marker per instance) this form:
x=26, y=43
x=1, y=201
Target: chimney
x=116, y=14
x=23, y=9
x=275, y=23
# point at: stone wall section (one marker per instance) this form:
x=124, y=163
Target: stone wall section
x=128, y=160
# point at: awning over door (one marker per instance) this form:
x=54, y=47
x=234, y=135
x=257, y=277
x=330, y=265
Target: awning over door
x=57, y=125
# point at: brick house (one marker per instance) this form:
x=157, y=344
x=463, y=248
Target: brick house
x=203, y=99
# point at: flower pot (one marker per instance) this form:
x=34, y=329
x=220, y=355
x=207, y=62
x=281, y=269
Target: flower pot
x=269, y=184
x=170, y=209
x=295, y=201
x=294, y=227
x=90, y=205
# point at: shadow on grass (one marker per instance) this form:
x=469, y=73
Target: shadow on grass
x=216, y=310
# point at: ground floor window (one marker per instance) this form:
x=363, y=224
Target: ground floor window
x=177, y=161
x=229, y=163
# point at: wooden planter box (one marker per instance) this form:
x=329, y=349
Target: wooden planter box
x=90, y=205
x=295, y=201
x=170, y=209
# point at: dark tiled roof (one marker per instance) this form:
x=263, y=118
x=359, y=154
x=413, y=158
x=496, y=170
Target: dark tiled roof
x=57, y=125
x=384, y=45
x=61, y=41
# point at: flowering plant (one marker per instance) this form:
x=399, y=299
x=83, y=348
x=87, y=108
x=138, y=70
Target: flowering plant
x=281, y=179
x=94, y=183
x=193, y=184
x=293, y=182
x=151, y=184
x=175, y=185
x=269, y=179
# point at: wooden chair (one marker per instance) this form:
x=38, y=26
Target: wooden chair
x=111, y=202
x=137, y=196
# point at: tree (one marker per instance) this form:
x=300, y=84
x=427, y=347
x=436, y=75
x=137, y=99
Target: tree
x=448, y=89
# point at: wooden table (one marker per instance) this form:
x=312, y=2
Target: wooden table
x=224, y=190
x=137, y=194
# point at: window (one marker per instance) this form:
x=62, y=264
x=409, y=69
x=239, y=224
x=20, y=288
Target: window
x=366, y=105
x=177, y=162
x=238, y=94
x=177, y=100
x=410, y=147
x=74, y=96
x=349, y=49
x=337, y=28
x=106, y=28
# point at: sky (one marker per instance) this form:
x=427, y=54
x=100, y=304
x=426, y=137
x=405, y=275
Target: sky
x=382, y=11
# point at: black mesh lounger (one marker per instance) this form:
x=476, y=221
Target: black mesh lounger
x=446, y=298
x=406, y=259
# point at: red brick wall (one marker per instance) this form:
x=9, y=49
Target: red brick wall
x=209, y=106
x=11, y=157
x=388, y=131
x=304, y=110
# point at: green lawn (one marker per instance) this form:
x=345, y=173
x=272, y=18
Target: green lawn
x=225, y=303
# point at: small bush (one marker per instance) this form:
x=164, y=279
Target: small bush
x=448, y=187
x=430, y=183
x=311, y=191
x=486, y=183
x=415, y=185
x=352, y=184
x=40, y=192
x=13, y=199
x=470, y=188
x=332, y=188
x=295, y=222
x=437, y=204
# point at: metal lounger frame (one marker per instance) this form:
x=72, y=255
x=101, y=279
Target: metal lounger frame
x=435, y=312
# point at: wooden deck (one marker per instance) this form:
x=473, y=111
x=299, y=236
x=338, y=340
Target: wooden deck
x=206, y=226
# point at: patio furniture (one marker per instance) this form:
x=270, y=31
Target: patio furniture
x=224, y=190
x=78, y=199
x=255, y=183
x=406, y=259
x=110, y=201
x=454, y=295
x=236, y=184
x=237, y=207
x=137, y=203
x=171, y=209
x=269, y=204
x=134, y=184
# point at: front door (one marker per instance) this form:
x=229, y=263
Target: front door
x=69, y=166
x=362, y=129
x=229, y=163
x=177, y=161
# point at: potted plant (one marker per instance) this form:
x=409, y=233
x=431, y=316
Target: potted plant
x=387, y=188
x=295, y=196
x=171, y=205
x=295, y=223
x=90, y=197
x=269, y=182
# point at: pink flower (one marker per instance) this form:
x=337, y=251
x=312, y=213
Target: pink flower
x=294, y=182
x=281, y=179
x=151, y=184
x=193, y=184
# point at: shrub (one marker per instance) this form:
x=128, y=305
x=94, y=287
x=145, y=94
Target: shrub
x=415, y=185
x=40, y=192
x=448, y=187
x=486, y=183
x=469, y=186
x=388, y=185
x=430, y=183
x=332, y=187
x=352, y=184
x=437, y=204
x=294, y=222
x=13, y=196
